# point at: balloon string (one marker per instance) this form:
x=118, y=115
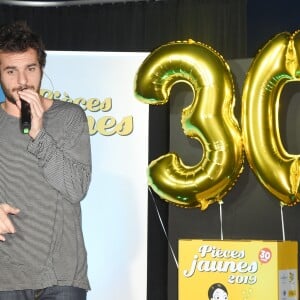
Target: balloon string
x=163, y=227
x=282, y=221
x=221, y=219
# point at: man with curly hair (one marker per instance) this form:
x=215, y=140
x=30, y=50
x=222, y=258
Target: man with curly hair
x=44, y=175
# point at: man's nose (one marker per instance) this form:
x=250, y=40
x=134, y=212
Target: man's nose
x=22, y=79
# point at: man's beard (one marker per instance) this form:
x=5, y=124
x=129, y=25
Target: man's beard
x=9, y=95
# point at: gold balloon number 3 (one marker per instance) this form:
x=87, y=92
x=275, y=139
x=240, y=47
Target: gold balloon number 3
x=210, y=120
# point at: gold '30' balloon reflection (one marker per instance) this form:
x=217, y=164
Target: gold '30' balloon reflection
x=209, y=119
x=275, y=65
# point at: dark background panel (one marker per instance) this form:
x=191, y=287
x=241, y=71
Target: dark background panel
x=249, y=211
x=267, y=18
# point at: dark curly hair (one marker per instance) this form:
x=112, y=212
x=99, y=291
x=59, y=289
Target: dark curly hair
x=18, y=37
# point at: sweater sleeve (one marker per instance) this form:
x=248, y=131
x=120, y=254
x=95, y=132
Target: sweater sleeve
x=67, y=168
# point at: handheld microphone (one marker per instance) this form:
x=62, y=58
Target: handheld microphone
x=25, y=117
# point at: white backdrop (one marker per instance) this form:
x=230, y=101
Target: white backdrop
x=115, y=208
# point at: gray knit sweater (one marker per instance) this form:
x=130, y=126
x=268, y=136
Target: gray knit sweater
x=46, y=179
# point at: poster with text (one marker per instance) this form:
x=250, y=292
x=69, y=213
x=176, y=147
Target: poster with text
x=115, y=208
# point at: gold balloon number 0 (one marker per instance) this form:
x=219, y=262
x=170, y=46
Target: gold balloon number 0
x=210, y=120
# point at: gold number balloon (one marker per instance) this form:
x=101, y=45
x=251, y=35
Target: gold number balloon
x=209, y=119
x=275, y=65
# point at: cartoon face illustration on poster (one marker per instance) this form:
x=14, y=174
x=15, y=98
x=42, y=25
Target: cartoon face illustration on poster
x=217, y=291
